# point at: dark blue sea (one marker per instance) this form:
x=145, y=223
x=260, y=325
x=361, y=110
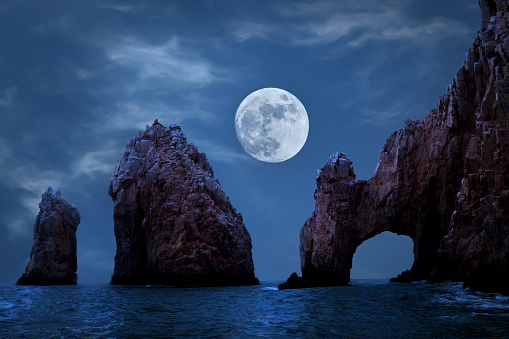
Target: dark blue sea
x=366, y=309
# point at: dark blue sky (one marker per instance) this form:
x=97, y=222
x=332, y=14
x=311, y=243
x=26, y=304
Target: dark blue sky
x=79, y=78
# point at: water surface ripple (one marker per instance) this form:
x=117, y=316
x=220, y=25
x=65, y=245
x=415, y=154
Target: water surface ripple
x=366, y=309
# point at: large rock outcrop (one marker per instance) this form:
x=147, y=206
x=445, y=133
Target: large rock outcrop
x=53, y=257
x=443, y=181
x=173, y=223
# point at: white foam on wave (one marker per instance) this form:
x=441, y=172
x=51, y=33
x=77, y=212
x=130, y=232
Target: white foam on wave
x=270, y=289
x=5, y=305
x=474, y=300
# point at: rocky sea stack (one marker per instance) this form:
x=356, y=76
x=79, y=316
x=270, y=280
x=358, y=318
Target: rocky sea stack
x=174, y=225
x=53, y=257
x=443, y=181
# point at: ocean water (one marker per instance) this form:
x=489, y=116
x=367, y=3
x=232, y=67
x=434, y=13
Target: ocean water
x=366, y=309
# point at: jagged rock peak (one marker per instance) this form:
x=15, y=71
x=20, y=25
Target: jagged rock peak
x=490, y=8
x=50, y=194
x=338, y=167
x=53, y=258
x=173, y=222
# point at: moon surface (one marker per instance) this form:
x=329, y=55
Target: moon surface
x=272, y=125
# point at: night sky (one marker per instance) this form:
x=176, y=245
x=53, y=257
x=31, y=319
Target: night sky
x=80, y=78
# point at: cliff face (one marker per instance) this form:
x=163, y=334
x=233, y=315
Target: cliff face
x=173, y=222
x=443, y=181
x=53, y=257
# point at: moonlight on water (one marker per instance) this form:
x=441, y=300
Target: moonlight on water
x=271, y=124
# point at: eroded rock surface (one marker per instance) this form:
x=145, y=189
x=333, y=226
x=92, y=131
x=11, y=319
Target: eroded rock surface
x=173, y=222
x=443, y=181
x=53, y=257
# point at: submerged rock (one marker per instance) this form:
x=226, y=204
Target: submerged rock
x=294, y=282
x=443, y=181
x=174, y=224
x=53, y=258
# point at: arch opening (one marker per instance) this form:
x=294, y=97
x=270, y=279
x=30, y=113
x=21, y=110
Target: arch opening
x=383, y=256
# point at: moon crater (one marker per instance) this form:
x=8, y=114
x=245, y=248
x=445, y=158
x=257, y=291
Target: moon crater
x=271, y=124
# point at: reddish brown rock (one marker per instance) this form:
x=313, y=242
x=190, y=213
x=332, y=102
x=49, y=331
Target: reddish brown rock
x=443, y=181
x=53, y=257
x=173, y=223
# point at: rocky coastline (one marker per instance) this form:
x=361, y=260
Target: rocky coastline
x=443, y=181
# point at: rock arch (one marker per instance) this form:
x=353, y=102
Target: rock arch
x=348, y=213
x=443, y=181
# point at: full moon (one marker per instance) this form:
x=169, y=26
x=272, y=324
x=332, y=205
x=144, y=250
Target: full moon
x=271, y=124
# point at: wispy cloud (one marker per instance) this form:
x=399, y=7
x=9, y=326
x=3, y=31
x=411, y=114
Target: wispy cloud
x=84, y=74
x=221, y=153
x=243, y=31
x=98, y=162
x=117, y=6
x=8, y=97
x=140, y=8
x=29, y=182
x=385, y=115
x=33, y=180
x=425, y=33
x=380, y=117
x=167, y=64
x=354, y=23
x=158, y=81
x=225, y=154
x=135, y=115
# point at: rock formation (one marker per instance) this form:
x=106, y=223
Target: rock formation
x=173, y=223
x=443, y=181
x=53, y=257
